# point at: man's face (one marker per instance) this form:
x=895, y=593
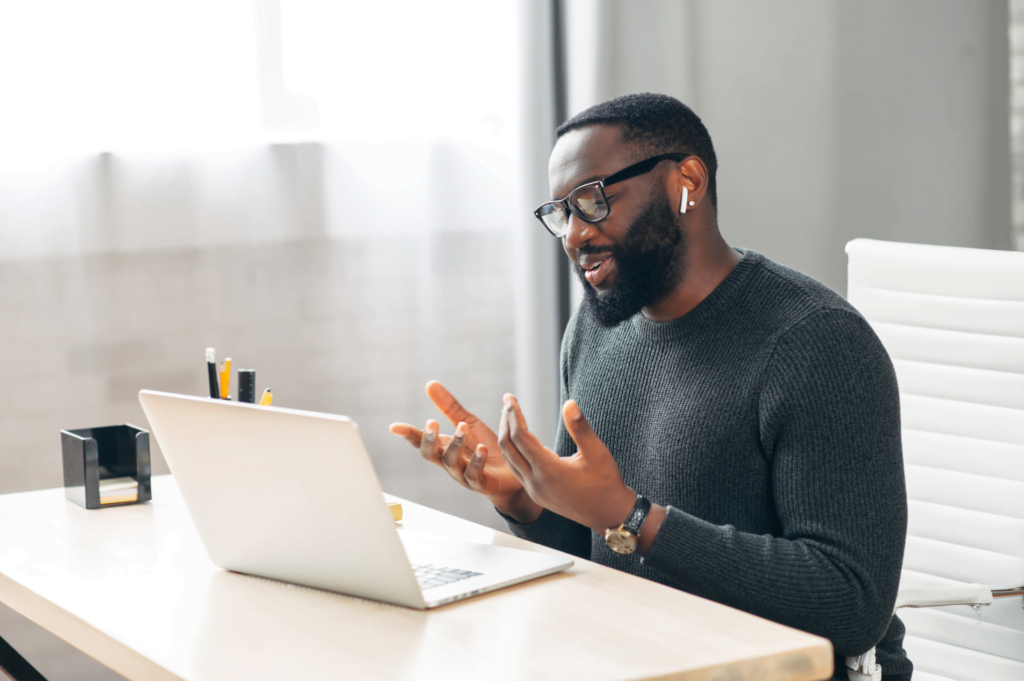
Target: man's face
x=633, y=258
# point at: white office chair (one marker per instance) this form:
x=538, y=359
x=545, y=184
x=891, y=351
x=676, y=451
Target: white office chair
x=952, y=320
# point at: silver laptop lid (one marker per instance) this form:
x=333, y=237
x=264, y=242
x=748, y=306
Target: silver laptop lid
x=282, y=493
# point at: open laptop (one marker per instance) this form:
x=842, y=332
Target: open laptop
x=292, y=495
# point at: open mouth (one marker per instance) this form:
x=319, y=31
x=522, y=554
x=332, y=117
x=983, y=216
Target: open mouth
x=597, y=269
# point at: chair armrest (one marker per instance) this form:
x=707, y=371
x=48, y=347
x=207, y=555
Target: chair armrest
x=864, y=668
x=965, y=594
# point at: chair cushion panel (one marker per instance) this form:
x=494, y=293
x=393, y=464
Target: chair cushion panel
x=962, y=563
x=963, y=490
x=960, y=663
x=912, y=579
x=952, y=319
x=953, y=348
x=964, y=419
x=964, y=454
x=937, y=625
x=962, y=384
x=940, y=270
x=973, y=529
x=973, y=315
x=928, y=676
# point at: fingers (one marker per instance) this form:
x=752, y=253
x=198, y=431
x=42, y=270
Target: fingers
x=531, y=448
x=578, y=426
x=511, y=402
x=404, y=430
x=509, y=451
x=430, y=449
x=475, y=476
x=448, y=405
x=452, y=458
x=587, y=441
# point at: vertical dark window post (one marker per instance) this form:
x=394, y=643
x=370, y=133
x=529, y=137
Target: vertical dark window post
x=561, y=99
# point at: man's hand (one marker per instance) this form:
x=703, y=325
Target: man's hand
x=471, y=456
x=586, y=487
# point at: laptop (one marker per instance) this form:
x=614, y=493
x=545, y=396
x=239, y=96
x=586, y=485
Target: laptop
x=292, y=495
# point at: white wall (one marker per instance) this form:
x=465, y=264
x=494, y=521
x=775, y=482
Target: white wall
x=831, y=120
x=353, y=327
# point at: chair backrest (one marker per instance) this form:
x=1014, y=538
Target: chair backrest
x=952, y=320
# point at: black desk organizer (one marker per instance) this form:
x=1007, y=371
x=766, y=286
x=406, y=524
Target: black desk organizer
x=95, y=454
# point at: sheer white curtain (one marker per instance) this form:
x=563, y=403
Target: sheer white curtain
x=327, y=191
x=124, y=117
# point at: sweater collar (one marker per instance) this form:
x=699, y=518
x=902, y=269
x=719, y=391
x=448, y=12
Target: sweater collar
x=707, y=310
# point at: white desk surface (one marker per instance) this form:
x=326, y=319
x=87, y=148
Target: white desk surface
x=132, y=587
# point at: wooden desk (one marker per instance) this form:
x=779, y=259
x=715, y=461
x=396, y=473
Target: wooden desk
x=132, y=587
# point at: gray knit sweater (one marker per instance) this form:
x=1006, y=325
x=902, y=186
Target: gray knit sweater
x=767, y=421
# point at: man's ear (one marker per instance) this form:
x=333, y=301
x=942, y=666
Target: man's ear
x=691, y=177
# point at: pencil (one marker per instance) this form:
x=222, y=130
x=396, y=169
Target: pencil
x=266, y=398
x=225, y=379
x=211, y=369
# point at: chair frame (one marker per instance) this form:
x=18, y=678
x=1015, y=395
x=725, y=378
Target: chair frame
x=16, y=667
x=864, y=668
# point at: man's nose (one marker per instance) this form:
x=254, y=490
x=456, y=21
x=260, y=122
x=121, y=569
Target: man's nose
x=580, y=232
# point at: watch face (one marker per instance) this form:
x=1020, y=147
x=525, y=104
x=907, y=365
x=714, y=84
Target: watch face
x=620, y=541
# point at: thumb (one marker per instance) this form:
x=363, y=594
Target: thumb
x=579, y=429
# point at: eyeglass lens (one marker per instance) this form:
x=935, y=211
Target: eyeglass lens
x=587, y=201
x=554, y=218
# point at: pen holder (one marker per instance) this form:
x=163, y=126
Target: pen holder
x=106, y=466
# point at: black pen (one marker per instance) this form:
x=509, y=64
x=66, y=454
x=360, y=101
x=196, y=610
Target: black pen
x=211, y=367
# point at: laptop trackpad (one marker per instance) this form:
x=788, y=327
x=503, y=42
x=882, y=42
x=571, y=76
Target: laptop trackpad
x=430, y=549
x=494, y=561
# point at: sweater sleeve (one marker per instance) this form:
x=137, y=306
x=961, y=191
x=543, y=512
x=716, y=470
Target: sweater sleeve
x=830, y=428
x=551, y=529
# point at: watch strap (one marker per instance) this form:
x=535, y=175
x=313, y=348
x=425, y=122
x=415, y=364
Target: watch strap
x=638, y=515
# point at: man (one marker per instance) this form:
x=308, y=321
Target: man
x=741, y=437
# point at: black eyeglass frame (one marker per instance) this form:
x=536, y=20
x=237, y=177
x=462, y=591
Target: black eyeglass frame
x=645, y=166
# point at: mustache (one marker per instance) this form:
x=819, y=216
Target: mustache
x=594, y=250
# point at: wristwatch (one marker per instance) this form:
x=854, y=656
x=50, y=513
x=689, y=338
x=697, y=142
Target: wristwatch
x=623, y=539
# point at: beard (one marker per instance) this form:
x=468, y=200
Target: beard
x=650, y=265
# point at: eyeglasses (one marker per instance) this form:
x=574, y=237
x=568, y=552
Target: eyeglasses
x=588, y=201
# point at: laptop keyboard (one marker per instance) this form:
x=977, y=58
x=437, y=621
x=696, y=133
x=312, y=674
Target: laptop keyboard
x=430, y=576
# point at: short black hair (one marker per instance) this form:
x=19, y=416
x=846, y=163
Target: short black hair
x=656, y=124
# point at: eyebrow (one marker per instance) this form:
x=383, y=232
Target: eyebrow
x=594, y=178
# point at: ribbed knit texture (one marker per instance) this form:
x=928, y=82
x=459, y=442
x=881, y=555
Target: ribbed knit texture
x=767, y=421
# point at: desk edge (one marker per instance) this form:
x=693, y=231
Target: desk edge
x=86, y=638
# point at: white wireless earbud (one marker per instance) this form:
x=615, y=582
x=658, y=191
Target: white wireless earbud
x=682, y=204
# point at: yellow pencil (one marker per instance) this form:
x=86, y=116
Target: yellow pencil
x=225, y=378
x=266, y=398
